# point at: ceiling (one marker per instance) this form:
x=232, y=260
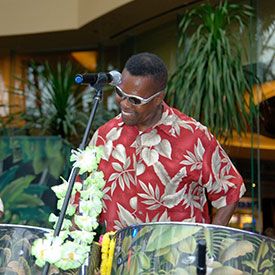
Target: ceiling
x=110, y=29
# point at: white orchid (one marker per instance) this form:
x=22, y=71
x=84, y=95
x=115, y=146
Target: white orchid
x=87, y=160
x=91, y=193
x=82, y=236
x=1, y=207
x=46, y=250
x=62, y=235
x=85, y=222
x=73, y=255
x=97, y=179
x=65, y=225
x=70, y=209
x=61, y=189
x=91, y=208
x=61, y=251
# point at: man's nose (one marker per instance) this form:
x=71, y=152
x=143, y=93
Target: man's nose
x=125, y=102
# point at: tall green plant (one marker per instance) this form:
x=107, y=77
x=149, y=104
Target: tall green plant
x=209, y=82
x=58, y=102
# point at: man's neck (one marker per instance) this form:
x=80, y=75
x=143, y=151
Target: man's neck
x=153, y=121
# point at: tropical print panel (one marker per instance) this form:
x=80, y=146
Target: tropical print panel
x=172, y=248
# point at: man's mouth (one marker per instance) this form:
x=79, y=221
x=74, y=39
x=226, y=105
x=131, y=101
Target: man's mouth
x=127, y=113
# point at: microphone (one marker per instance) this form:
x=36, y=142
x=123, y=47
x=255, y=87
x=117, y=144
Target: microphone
x=112, y=77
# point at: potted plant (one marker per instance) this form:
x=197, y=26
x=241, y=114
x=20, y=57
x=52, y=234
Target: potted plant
x=209, y=83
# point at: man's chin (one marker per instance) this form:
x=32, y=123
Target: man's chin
x=128, y=121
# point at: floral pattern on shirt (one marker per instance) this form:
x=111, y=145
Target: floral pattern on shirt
x=165, y=172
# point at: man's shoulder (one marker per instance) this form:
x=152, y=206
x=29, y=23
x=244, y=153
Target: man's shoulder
x=174, y=112
x=195, y=127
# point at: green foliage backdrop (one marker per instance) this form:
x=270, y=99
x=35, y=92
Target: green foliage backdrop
x=209, y=83
x=30, y=166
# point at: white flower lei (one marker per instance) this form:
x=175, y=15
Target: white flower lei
x=71, y=248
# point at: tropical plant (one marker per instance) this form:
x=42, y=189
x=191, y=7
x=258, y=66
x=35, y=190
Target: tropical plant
x=56, y=103
x=209, y=83
x=22, y=203
x=29, y=166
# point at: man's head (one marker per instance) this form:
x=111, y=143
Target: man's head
x=141, y=91
x=150, y=65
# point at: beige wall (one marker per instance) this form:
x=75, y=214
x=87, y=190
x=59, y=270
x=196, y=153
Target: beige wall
x=161, y=41
x=92, y=9
x=38, y=16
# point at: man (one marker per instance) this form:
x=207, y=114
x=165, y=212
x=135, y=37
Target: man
x=159, y=164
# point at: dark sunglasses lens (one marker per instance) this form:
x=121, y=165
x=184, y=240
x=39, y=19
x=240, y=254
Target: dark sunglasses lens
x=118, y=92
x=134, y=100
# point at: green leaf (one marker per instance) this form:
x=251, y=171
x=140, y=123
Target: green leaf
x=226, y=270
x=237, y=249
x=28, y=200
x=188, y=245
x=171, y=258
x=263, y=249
x=251, y=264
x=144, y=260
x=12, y=191
x=266, y=264
x=161, y=238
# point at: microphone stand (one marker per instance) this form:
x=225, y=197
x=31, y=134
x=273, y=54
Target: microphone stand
x=98, y=86
x=201, y=260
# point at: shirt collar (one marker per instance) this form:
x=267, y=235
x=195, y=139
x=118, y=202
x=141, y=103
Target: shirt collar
x=160, y=126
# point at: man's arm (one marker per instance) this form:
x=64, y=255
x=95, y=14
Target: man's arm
x=224, y=214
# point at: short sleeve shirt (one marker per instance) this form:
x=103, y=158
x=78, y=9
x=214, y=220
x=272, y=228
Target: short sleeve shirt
x=165, y=173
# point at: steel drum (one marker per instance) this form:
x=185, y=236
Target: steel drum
x=172, y=248
x=15, y=252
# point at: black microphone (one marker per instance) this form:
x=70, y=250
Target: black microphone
x=112, y=77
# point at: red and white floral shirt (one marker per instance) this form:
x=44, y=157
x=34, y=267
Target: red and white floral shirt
x=163, y=173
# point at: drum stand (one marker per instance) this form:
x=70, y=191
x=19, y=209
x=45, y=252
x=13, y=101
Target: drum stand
x=98, y=86
x=201, y=260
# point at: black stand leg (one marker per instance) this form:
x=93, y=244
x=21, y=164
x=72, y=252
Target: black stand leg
x=201, y=263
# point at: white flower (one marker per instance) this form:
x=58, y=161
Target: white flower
x=61, y=251
x=87, y=160
x=82, y=236
x=91, y=193
x=61, y=189
x=1, y=207
x=65, y=225
x=70, y=209
x=62, y=235
x=85, y=222
x=73, y=255
x=46, y=250
x=97, y=179
x=91, y=208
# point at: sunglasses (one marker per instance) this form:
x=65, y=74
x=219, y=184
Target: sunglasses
x=134, y=99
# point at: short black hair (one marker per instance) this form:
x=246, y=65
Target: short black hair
x=148, y=64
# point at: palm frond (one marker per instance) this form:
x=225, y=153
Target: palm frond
x=209, y=83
